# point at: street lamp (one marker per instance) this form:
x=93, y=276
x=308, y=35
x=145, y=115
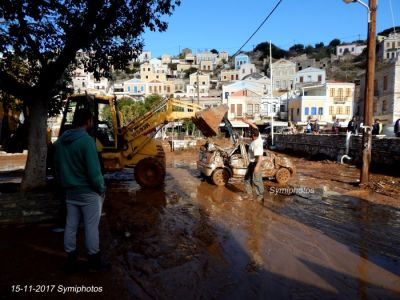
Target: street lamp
x=369, y=89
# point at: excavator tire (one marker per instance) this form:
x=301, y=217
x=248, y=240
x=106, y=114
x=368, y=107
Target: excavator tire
x=283, y=176
x=149, y=173
x=220, y=177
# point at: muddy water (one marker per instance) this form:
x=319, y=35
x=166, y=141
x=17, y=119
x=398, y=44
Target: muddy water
x=193, y=240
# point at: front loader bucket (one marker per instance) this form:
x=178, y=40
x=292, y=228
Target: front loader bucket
x=208, y=121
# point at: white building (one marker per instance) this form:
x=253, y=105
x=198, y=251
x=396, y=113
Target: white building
x=310, y=76
x=353, y=49
x=246, y=69
x=144, y=56
x=230, y=89
x=284, y=74
x=389, y=48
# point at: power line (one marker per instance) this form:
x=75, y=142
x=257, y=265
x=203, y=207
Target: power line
x=267, y=17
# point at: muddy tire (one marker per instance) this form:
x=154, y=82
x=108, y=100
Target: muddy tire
x=149, y=173
x=220, y=177
x=282, y=176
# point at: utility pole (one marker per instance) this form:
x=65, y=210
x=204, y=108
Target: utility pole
x=369, y=94
x=198, y=88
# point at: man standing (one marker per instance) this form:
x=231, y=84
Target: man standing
x=397, y=128
x=78, y=169
x=351, y=127
x=254, y=170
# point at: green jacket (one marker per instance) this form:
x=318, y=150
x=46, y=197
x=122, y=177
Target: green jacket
x=77, y=164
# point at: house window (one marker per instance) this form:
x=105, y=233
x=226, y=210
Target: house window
x=298, y=111
x=237, y=77
x=232, y=77
x=257, y=108
x=150, y=89
x=129, y=88
x=313, y=110
x=339, y=110
x=319, y=78
x=348, y=92
x=135, y=89
x=250, y=109
x=142, y=88
x=385, y=82
x=233, y=108
x=340, y=93
x=239, y=109
x=331, y=110
x=348, y=110
x=320, y=111
x=384, y=106
x=224, y=77
x=306, y=111
x=301, y=79
x=332, y=92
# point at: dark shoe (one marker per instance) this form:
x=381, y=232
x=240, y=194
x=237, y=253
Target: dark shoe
x=72, y=262
x=96, y=264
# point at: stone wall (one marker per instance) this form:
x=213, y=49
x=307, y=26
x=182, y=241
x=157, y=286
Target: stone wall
x=385, y=150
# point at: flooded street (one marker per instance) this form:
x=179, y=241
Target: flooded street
x=320, y=238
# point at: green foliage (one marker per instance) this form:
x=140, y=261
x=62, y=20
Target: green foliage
x=131, y=109
x=276, y=51
x=214, y=51
x=388, y=31
x=151, y=100
x=46, y=35
x=173, y=66
x=334, y=43
x=297, y=48
x=189, y=71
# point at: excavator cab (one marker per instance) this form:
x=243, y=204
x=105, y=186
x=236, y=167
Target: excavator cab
x=105, y=120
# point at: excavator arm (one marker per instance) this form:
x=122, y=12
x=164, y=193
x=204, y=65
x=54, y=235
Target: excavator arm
x=169, y=110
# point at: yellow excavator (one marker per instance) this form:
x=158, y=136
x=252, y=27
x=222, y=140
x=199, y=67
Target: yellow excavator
x=134, y=144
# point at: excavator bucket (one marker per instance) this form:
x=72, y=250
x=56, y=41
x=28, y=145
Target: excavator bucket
x=208, y=121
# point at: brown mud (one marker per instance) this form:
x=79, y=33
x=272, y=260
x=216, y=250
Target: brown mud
x=321, y=237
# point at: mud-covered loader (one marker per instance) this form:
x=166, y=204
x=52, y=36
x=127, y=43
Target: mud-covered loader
x=134, y=145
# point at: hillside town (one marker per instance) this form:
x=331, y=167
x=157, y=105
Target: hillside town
x=183, y=172
x=300, y=89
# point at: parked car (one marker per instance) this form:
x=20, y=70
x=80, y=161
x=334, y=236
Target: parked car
x=221, y=164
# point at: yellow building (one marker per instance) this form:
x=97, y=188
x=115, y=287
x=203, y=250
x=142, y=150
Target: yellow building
x=229, y=75
x=149, y=73
x=328, y=102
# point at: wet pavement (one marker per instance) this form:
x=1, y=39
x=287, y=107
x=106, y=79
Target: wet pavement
x=321, y=237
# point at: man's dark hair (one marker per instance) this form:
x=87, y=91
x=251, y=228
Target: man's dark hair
x=254, y=132
x=81, y=117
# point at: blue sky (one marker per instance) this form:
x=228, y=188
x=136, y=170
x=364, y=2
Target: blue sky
x=226, y=24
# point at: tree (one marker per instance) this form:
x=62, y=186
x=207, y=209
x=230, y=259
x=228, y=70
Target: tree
x=334, y=43
x=297, y=48
x=276, y=51
x=46, y=36
x=215, y=51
